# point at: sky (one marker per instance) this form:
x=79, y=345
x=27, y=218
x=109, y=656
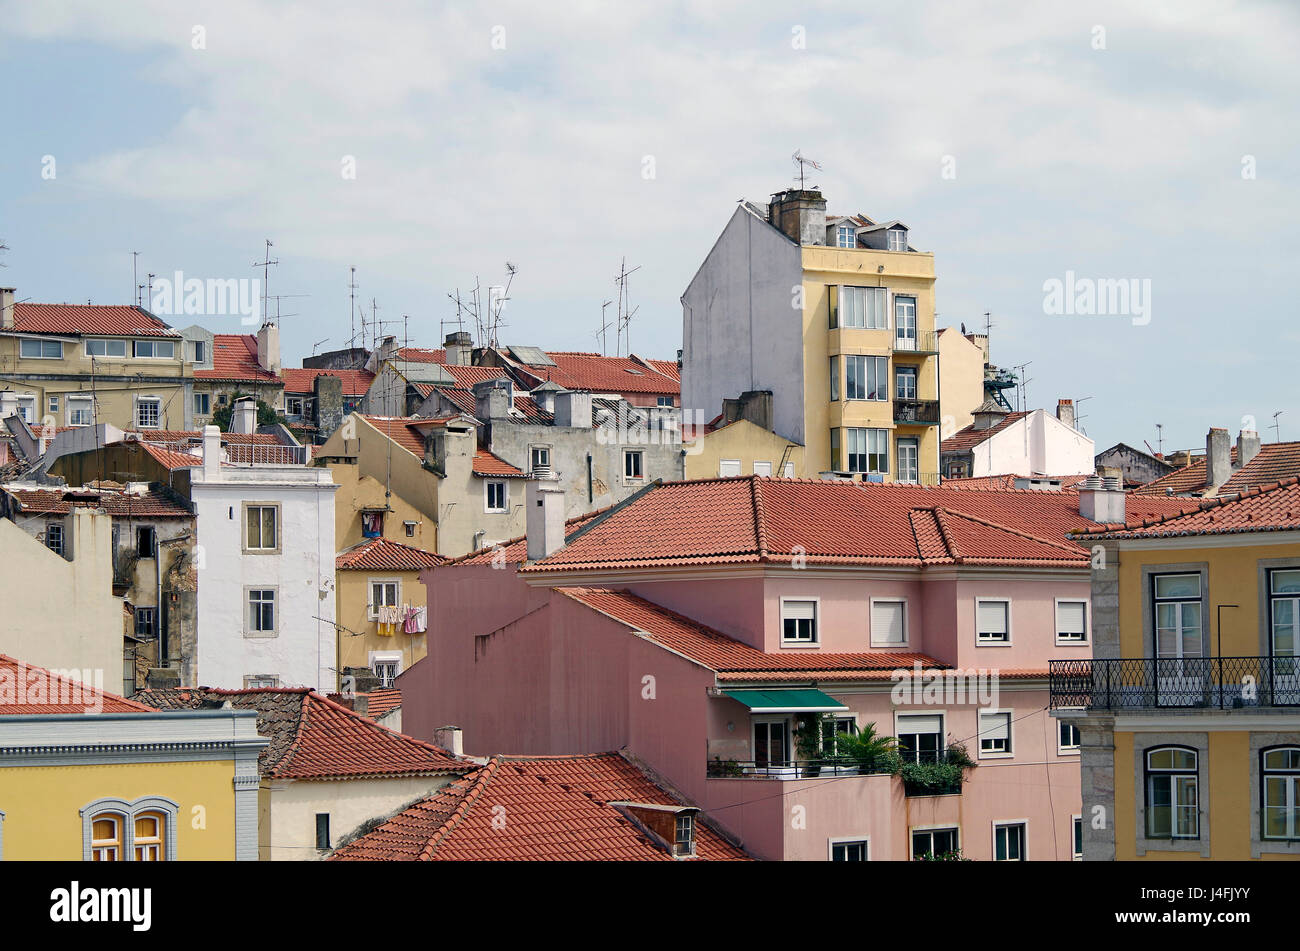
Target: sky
x=428, y=144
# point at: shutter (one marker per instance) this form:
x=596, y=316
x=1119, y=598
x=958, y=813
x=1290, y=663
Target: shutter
x=728, y=467
x=920, y=723
x=887, y=622
x=1070, y=617
x=762, y=468
x=993, y=617
x=799, y=610
x=995, y=726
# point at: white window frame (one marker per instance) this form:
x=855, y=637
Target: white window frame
x=534, y=452
x=198, y=349
x=861, y=320
x=1010, y=751
x=762, y=468
x=505, y=496
x=1076, y=820
x=1062, y=750
x=864, y=840
x=372, y=610
x=152, y=344
x=914, y=476
x=896, y=236
x=628, y=454
x=1291, y=786
x=249, y=630
x=1024, y=838
x=843, y=232
x=42, y=355
x=816, y=602
x=63, y=540
x=279, y=529
x=936, y=827
x=902, y=714
x=982, y=641
x=293, y=405
x=1087, y=622
x=385, y=657
x=79, y=404
x=140, y=401
x=871, y=615
x=106, y=341
x=724, y=464
x=261, y=681
x=207, y=404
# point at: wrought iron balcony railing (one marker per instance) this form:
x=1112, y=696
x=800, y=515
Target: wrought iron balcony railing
x=917, y=412
x=1143, y=683
x=785, y=769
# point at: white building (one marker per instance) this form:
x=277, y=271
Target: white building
x=265, y=556
x=1029, y=444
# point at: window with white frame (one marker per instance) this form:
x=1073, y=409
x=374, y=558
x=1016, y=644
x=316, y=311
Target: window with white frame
x=293, y=405
x=909, y=460
x=53, y=404
x=849, y=851
x=496, y=497
x=684, y=834
x=920, y=737
x=105, y=348
x=261, y=682
x=261, y=610
x=846, y=236
x=148, y=412
x=1284, y=611
x=665, y=401
x=27, y=408
x=863, y=308
x=728, y=468
x=1067, y=737
x=633, y=464
x=905, y=383
x=1280, y=787
x=1076, y=837
x=384, y=593
x=897, y=239
x=1177, y=602
x=835, y=378
x=888, y=622
x=539, y=456
x=1071, y=622
x=202, y=404
x=995, y=732
x=833, y=727
x=156, y=349
x=933, y=843
x=866, y=378
x=762, y=468
x=198, y=349
x=992, y=621
x=877, y=451
x=1172, y=793
x=41, y=349
x=387, y=670
x=80, y=410
x=1009, y=842
x=799, y=622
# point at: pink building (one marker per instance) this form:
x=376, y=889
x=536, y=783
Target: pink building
x=729, y=632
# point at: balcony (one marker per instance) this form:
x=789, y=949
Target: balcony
x=921, y=345
x=788, y=769
x=1146, y=683
x=916, y=412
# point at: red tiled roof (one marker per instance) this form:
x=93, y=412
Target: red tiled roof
x=170, y=459
x=75, y=319
x=380, y=554
x=668, y=368
x=1274, y=462
x=756, y=519
x=735, y=660
x=556, y=808
x=515, y=550
x=191, y=436
x=601, y=374
x=416, y=355
x=400, y=431
x=1268, y=508
x=302, y=379
x=150, y=504
x=234, y=357
x=964, y=440
x=487, y=464
x=29, y=690
x=381, y=701
x=978, y=483
x=532, y=412
x=467, y=377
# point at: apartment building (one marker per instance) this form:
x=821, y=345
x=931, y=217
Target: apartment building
x=834, y=315
x=227, y=366
x=1032, y=444
x=1189, y=711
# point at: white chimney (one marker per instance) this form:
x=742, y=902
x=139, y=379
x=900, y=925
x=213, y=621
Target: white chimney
x=450, y=739
x=544, y=521
x=268, y=348
x=244, y=417
x=6, y=308
x=211, y=452
x=573, y=409
x=1102, y=500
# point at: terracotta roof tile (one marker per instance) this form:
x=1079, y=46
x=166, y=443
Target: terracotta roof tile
x=382, y=701
x=1274, y=461
x=234, y=358
x=557, y=808
x=76, y=319
x=978, y=483
x=400, y=431
x=29, y=690
x=153, y=503
x=1267, y=508
x=964, y=440
x=487, y=464
x=380, y=554
x=417, y=355
x=302, y=379
x=602, y=374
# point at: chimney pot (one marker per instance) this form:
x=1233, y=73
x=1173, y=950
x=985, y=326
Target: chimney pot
x=6, y=308
x=1218, y=458
x=1247, y=446
x=544, y=518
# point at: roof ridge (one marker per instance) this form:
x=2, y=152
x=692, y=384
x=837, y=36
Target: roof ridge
x=760, y=518
x=477, y=783
x=1073, y=549
x=953, y=551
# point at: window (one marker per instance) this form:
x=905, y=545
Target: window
x=909, y=460
x=904, y=323
x=846, y=237
x=539, y=456
x=27, y=408
x=383, y=594
x=1009, y=842
x=198, y=349
x=148, y=841
x=148, y=412
x=993, y=622
x=202, y=404
x=862, y=307
x=158, y=349
x=833, y=727
x=387, y=671
x=920, y=737
x=41, y=349
x=146, y=541
x=684, y=834
x=849, y=851
x=293, y=406
x=1173, y=788
x=410, y=529
x=799, y=622
x=1177, y=600
x=323, y=831
x=728, y=468
x=144, y=621
x=372, y=524
x=762, y=468
x=1281, y=791
x=106, y=838
x=1071, y=622
x=855, y=449
x=995, y=733
x=261, y=528
x=261, y=610
x=634, y=464
x=877, y=451
x=866, y=378
x=931, y=843
x=105, y=348
x=54, y=537
x=1067, y=737
x=114, y=830
x=897, y=239
x=223, y=399
x=1076, y=835
x=665, y=401
x=835, y=379
x=1284, y=612
x=79, y=411
x=496, y=496
x=770, y=738
x=905, y=383
x=888, y=623
x=53, y=405
x=261, y=682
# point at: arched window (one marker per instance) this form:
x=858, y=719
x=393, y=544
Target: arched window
x=114, y=830
x=1281, y=791
x=1173, y=800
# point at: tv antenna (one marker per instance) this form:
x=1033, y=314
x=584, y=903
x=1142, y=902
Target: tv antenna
x=604, y=327
x=352, y=306
x=623, y=320
x=135, y=277
x=1078, y=418
x=1277, y=428
x=266, y=274
x=804, y=164
x=1022, y=399
x=1160, y=440
x=316, y=346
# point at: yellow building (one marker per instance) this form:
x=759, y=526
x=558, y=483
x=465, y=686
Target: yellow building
x=962, y=358
x=1188, y=717
x=834, y=315
x=76, y=365
x=741, y=448
x=86, y=774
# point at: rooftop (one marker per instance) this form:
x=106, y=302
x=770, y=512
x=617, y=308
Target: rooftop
x=34, y=691
x=380, y=554
x=152, y=502
x=964, y=440
x=234, y=358
x=302, y=380
x=1264, y=508
x=1274, y=461
x=89, y=319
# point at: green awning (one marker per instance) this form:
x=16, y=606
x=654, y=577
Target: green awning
x=786, y=701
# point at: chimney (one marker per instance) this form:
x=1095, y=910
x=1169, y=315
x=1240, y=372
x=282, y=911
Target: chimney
x=268, y=348
x=987, y=415
x=8, y=404
x=244, y=417
x=544, y=396
x=1247, y=446
x=492, y=399
x=211, y=452
x=1218, y=458
x=460, y=348
x=799, y=215
x=1065, y=412
x=1101, y=500
x=6, y=308
x=544, y=521
x=573, y=409
x=450, y=739
x=328, y=392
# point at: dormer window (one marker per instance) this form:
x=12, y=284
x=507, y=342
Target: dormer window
x=684, y=842
x=897, y=238
x=846, y=237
